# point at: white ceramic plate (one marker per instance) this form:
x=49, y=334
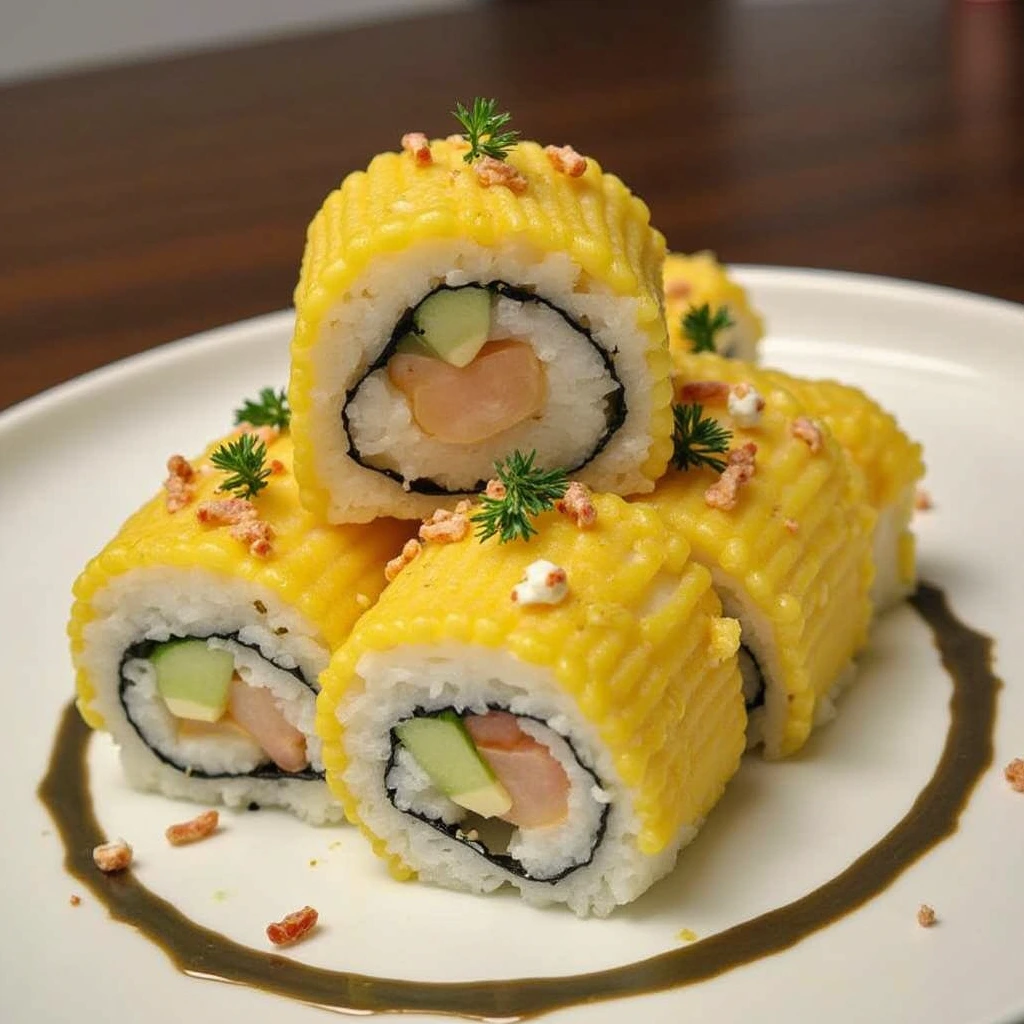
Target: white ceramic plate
x=75, y=461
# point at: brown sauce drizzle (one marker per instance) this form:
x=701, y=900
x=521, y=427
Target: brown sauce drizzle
x=966, y=656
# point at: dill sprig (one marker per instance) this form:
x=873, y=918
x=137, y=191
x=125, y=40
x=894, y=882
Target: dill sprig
x=245, y=459
x=271, y=409
x=698, y=440
x=700, y=325
x=529, y=491
x=482, y=128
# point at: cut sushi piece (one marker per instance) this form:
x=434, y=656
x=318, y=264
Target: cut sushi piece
x=541, y=310
x=791, y=559
x=201, y=659
x=613, y=719
x=698, y=280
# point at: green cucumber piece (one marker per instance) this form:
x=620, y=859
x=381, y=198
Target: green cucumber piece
x=443, y=748
x=193, y=679
x=411, y=345
x=455, y=324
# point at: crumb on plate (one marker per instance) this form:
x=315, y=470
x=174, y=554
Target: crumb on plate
x=192, y=831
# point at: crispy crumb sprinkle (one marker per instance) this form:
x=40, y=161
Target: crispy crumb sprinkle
x=75, y=900
x=411, y=549
x=923, y=501
x=312, y=862
x=266, y=433
x=566, y=160
x=257, y=534
x=808, y=431
x=742, y=465
x=245, y=524
x=112, y=856
x=707, y=392
x=192, y=831
x=578, y=505
x=447, y=527
x=925, y=916
x=490, y=172
x=292, y=927
x=792, y=525
x=1014, y=774
x=418, y=145
x=495, y=489
x=678, y=289
x=180, y=483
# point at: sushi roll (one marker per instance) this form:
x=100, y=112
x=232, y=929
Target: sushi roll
x=558, y=716
x=890, y=461
x=784, y=527
x=198, y=634
x=697, y=281
x=892, y=466
x=445, y=319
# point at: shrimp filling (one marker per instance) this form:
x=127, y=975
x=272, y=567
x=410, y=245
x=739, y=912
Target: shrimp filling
x=250, y=717
x=507, y=786
x=472, y=373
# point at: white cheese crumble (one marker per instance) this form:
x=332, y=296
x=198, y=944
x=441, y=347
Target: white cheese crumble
x=543, y=583
x=745, y=405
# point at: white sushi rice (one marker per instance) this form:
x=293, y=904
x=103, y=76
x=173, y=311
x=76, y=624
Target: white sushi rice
x=358, y=327
x=407, y=679
x=158, y=603
x=578, y=384
x=889, y=587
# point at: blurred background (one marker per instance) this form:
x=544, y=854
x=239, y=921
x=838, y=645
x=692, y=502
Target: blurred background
x=159, y=162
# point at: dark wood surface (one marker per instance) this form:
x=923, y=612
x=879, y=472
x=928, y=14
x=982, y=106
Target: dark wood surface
x=143, y=203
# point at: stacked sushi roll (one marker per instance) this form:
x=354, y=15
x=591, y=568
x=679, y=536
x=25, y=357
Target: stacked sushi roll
x=891, y=463
x=700, y=293
x=199, y=633
x=784, y=525
x=567, y=749
x=445, y=320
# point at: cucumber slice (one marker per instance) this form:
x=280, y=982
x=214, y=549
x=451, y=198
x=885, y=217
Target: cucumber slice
x=193, y=679
x=444, y=749
x=455, y=323
x=411, y=345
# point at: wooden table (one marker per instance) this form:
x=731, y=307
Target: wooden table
x=143, y=203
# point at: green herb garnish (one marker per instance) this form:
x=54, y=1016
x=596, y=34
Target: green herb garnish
x=245, y=460
x=482, y=130
x=700, y=325
x=528, y=492
x=698, y=440
x=271, y=409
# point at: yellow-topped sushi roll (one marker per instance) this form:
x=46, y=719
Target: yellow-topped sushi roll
x=198, y=633
x=450, y=312
x=892, y=466
x=558, y=715
x=783, y=524
x=693, y=282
